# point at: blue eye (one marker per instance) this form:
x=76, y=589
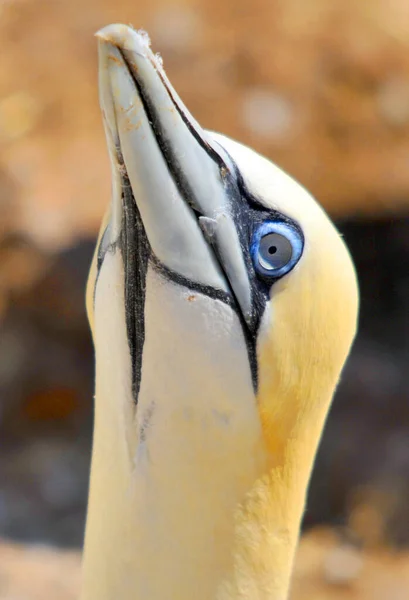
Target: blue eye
x=276, y=248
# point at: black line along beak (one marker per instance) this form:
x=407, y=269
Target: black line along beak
x=180, y=180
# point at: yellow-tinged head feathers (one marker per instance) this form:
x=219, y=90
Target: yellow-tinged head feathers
x=305, y=336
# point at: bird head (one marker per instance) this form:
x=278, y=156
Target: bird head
x=218, y=282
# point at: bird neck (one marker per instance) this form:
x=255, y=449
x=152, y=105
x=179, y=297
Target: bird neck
x=221, y=526
x=206, y=521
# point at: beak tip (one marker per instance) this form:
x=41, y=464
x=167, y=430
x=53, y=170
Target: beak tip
x=124, y=37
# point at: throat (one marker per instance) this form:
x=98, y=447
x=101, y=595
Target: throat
x=162, y=519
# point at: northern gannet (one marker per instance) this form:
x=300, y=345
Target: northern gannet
x=223, y=304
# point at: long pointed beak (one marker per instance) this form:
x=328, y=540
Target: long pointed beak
x=180, y=183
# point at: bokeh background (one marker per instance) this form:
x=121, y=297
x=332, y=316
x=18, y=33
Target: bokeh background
x=319, y=86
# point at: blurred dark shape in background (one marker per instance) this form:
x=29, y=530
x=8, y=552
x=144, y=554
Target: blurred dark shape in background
x=46, y=390
x=320, y=87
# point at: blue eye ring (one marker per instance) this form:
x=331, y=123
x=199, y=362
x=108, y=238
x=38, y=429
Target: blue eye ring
x=290, y=244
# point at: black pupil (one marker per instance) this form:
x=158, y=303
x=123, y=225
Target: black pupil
x=272, y=250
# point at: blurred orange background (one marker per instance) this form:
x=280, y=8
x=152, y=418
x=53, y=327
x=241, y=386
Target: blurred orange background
x=319, y=86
